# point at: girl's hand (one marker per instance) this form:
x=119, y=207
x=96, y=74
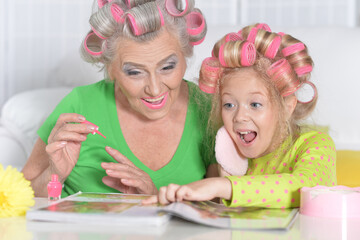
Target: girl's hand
x=64, y=143
x=125, y=177
x=206, y=189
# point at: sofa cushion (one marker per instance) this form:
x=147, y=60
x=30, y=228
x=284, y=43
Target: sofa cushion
x=23, y=114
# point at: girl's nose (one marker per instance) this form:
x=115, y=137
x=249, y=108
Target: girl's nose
x=242, y=114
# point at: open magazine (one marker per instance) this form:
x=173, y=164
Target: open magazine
x=126, y=210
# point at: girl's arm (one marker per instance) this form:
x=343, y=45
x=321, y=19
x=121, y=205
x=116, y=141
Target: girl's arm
x=206, y=189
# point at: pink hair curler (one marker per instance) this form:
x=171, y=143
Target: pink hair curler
x=117, y=13
x=284, y=77
x=91, y=36
x=170, y=6
x=301, y=86
x=227, y=155
x=96, y=128
x=97, y=34
x=210, y=73
x=273, y=48
x=290, y=90
x=232, y=37
x=128, y=3
x=252, y=35
x=330, y=202
x=301, y=71
x=206, y=88
x=195, y=23
x=248, y=54
x=101, y=3
x=264, y=26
x=221, y=56
x=281, y=34
x=197, y=42
x=278, y=68
x=161, y=16
x=297, y=47
x=133, y=25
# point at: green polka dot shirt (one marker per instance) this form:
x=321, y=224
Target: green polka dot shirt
x=275, y=180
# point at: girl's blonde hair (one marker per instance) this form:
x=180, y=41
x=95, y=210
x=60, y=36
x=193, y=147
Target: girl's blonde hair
x=280, y=60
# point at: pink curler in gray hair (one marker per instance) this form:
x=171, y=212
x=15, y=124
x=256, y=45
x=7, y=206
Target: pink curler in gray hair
x=117, y=13
x=172, y=8
x=93, y=41
x=195, y=23
x=132, y=21
x=102, y=3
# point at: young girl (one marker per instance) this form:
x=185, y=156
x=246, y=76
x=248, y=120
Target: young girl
x=256, y=76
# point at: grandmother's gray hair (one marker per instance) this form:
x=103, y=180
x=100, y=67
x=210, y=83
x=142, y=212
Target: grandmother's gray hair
x=148, y=20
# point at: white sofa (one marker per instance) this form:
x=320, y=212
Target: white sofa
x=335, y=52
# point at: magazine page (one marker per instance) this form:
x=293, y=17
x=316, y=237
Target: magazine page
x=218, y=215
x=101, y=208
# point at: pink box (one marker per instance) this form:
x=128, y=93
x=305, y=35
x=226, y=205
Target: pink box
x=332, y=202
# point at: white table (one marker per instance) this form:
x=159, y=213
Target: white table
x=18, y=228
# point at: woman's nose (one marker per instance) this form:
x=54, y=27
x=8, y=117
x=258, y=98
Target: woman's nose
x=154, y=86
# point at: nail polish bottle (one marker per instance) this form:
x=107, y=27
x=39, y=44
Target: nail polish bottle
x=54, y=188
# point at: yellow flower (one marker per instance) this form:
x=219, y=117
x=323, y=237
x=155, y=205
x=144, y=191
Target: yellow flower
x=16, y=194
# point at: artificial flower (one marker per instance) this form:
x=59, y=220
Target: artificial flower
x=16, y=194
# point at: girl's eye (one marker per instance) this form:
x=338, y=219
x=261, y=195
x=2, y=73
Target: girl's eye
x=256, y=105
x=228, y=105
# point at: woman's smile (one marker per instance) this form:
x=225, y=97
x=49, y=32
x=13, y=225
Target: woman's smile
x=155, y=102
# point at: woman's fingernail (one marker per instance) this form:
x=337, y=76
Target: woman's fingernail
x=91, y=128
x=109, y=171
x=81, y=118
x=124, y=181
x=62, y=143
x=108, y=148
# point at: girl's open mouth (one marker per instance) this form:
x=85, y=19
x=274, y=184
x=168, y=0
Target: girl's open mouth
x=156, y=102
x=248, y=136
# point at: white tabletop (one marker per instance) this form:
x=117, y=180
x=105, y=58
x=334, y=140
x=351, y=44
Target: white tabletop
x=18, y=228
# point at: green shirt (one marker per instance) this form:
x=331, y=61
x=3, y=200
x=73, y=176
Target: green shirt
x=97, y=103
x=274, y=180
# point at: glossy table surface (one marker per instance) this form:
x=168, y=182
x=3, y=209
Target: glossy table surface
x=305, y=227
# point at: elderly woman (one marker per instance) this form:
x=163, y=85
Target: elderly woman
x=151, y=123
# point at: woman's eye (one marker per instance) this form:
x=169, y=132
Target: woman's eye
x=228, y=105
x=255, y=105
x=132, y=73
x=168, y=67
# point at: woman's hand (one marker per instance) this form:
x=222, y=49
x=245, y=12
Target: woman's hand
x=222, y=172
x=206, y=189
x=64, y=143
x=125, y=177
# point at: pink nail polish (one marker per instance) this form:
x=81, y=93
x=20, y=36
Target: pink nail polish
x=54, y=188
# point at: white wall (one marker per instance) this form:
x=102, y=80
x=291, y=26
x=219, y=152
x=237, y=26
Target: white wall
x=39, y=39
